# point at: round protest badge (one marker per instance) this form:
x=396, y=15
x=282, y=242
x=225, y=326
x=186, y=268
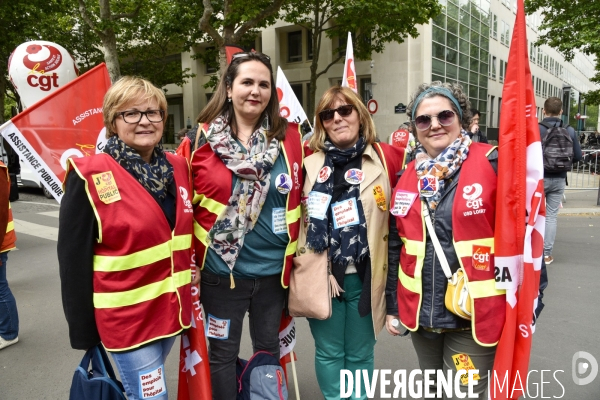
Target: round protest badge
x=324, y=174
x=428, y=185
x=354, y=176
x=283, y=183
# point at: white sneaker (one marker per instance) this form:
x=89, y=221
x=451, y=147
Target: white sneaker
x=5, y=343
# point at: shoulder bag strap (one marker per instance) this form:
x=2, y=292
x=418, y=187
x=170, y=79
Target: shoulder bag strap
x=436, y=243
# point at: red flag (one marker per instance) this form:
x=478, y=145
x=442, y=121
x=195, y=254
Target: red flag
x=230, y=51
x=287, y=341
x=66, y=123
x=349, y=78
x=194, y=369
x=520, y=219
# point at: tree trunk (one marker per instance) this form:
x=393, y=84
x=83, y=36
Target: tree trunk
x=111, y=56
x=2, y=93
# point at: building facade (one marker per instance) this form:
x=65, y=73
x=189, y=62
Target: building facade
x=468, y=43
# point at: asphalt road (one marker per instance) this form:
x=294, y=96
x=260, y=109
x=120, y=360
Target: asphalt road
x=41, y=365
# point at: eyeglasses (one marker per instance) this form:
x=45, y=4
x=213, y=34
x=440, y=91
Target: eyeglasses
x=344, y=111
x=135, y=116
x=445, y=118
x=248, y=53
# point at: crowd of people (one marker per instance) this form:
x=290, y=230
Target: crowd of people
x=251, y=196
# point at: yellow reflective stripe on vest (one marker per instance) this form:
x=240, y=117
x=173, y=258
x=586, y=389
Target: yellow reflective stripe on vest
x=145, y=293
x=465, y=248
x=200, y=233
x=414, y=247
x=10, y=226
x=292, y=215
x=481, y=289
x=211, y=205
x=142, y=257
x=412, y=284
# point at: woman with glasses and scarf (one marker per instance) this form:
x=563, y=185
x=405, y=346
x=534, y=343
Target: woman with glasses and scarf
x=247, y=181
x=348, y=177
x=125, y=241
x=449, y=189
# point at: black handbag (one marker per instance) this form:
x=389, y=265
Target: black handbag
x=97, y=383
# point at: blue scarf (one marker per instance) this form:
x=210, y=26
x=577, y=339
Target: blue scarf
x=347, y=245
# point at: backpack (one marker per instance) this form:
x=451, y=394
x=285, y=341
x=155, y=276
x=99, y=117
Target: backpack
x=557, y=148
x=261, y=378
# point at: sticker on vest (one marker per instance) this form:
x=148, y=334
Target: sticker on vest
x=186, y=201
x=472, y=195
x=345, y=213
x=152, y=383
x=296, y=179
x=107, y=189
x=463, y=361
x=278, y=221
x=354, y=176
x=317, y=204
x=481, y=257
x=380, y=198
x=402, y=203
x=217, y=328
x=324, y=174
x=283, y=182
x=428, y=185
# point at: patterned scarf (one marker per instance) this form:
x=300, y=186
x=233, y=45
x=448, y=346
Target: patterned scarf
x=443, y=166
x=155, y=176
x=253, y=170
x=347, y=245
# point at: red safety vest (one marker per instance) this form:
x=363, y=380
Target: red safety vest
x=212, y=190
x=10, y=238
x=473, y=214
x=142, y=272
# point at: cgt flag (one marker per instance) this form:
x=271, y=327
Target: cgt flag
x=349, y=79
x=66, y=123
x=194, y=370
x=519, y=235
x=289, y=106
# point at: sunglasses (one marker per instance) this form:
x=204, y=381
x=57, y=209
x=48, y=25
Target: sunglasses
x=445, y=118
x=247, y=54
x=343, y=111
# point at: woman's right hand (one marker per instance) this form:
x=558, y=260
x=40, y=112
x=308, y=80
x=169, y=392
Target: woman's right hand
x=388, y=324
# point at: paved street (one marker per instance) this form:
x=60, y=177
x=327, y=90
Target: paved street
x=41, y=365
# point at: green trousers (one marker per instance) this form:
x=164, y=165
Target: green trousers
x=344, y=341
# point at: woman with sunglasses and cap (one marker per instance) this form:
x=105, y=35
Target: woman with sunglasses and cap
x=348, y=179
x=454, y=181
x=247, y=181
x=126, y=279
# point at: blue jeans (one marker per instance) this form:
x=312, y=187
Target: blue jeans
x=263, y=299
x=554, y=189
x=9, y=318
x=142, y=371
x=344, y=341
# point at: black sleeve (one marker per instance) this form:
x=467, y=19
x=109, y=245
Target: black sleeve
x=577, y=155
x=391, y=287
x=76, y=237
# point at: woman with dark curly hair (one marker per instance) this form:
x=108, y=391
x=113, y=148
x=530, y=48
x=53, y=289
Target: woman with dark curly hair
x=452, y=182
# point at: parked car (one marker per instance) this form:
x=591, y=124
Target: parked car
x=28, y=178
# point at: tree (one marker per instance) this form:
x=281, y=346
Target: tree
x=229, y=22
x=569, y=26
x=373, y=23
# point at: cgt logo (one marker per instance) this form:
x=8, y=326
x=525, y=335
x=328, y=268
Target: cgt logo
x=471, y=193
x=582, y=361
x=184, y=195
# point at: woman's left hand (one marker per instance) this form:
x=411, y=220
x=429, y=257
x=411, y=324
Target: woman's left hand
x=196, y=276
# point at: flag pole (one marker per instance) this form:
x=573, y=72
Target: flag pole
x=295, y=376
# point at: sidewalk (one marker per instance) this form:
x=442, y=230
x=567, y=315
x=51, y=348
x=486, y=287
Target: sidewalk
x=579, y=201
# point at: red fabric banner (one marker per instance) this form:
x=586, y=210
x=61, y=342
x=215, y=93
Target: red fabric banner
x=66, y=123
x=194, y=369
x=520, y=218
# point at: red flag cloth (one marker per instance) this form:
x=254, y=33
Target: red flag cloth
x=185, y=149
x=520, y=219
x=230, y=51
x=66, y=123
x=287, y=341
x=194, y=368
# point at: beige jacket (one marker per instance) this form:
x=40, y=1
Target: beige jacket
x=377, y=223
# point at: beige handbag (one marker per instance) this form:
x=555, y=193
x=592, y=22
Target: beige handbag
x=310, y=290
x=457, y=299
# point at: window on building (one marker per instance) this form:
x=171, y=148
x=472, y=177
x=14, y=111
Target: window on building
x=499, y=110
x=494, y=25
x=366, y=89
x=297, y=89
x=540, y=57
x=309, y=44
x=544, y=89
x=546, y=62
x=491, y=123
x=492, y=67
x=295, y=46
x=501, y=71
